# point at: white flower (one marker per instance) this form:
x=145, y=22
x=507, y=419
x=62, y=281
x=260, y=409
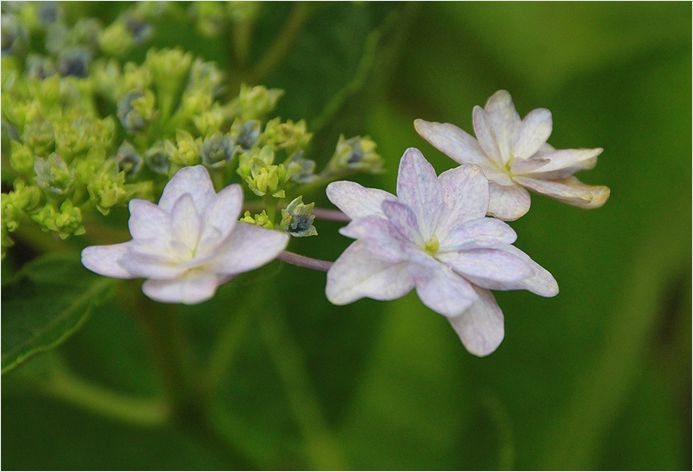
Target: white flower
x=189, y=243
x=514, y=156
x=434, y=236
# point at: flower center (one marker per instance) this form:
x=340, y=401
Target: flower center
x=432, y=246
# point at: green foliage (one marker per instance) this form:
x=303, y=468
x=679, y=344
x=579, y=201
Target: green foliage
x=598, y=377
x=44, y=304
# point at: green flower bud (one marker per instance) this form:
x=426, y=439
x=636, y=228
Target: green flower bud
x=117, y=39
x=86, y=33
x=217, y=150
x=23, y=199
x=139, y=28
x=196, y=102
x=168, y=68
x=21, y=158
x=15, y=37
x=158, y=159
x=260, y=219
x=255, y=102
x=66, y=220
x=39, y=136
x=246, y=133
x=107, y=187
x=297, y=219
x=288, y=136
x=204, y=76
x=128, y=160
x=209, y=122
x=357, y=153
x=209, y=17
x=136, y=110
x=53, y=175
x=135, y=77
x=186, y=151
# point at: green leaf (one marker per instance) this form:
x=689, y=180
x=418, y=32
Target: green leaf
x=44, y=304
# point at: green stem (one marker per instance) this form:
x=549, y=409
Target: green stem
x=322, y=450
x=282, y=43
x=226, y=347
x=135, y=411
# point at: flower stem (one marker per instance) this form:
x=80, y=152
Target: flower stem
x=304, y=261
x=282, y=43
x=135, y=411
x=330, y=215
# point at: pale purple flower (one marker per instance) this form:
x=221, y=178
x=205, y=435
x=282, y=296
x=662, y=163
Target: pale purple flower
x=515, y=157
x=189, y=243
x=434, y=236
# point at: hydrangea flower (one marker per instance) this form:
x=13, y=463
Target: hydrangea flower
x=189, y=243
x=514, y=156
x=434, y=236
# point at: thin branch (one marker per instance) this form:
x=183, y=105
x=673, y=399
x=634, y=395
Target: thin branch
x=304, y=261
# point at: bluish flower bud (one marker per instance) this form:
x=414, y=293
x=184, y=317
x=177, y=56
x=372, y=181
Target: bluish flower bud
x=74, y=62
x=128, y=160
x=302, y=170
x=48, y=12
x=297, y=219
x=39, y=67
x=14, y=35
x=246, y=133
x=53, y=175
x=158, y=160
x=135, y=110
x=140, y=29
x=217, y=150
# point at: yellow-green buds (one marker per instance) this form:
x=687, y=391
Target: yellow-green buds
x=297, y=218
x=66, y=219
x=21, y=158
x=259, y=219
x=117, y=39
x=136, y=110
x=356, y=154
x=263, y=177
x=53, y=175
x=107, y=187
x=255, y=102
x=288, y=136
x=186, y=151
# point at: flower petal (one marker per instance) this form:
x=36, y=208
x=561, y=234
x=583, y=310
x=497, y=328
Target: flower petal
x=569, y=190
x=478, y=233
x=418, y=188
x=508, y=202
x=443, y=291
x=452, y=141
x=404, y=221
x=152, y=266
x=379, y=235
x=540, y=281
x=248, y=247
x=535, y=129
x=480, y=327
x=221, y=215
x=148, y=221
x=359, y=273
x=192, y=288
x=564, y=163
x=504, y=121
x=356, y=200
x=488, y=268
x=185, y=223
x=193, y=180
x=105, y=260
x=465, y=195
x=485, y=136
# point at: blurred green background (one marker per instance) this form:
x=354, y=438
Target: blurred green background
x=597, y=378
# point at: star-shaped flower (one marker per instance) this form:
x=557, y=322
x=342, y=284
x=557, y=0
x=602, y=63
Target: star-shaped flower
x=514, y=156
x=433, y=236
x=189, y=243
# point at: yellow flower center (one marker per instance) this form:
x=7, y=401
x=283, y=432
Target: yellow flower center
x=432, y=246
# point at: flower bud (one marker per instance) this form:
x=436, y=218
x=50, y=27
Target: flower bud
x=66, y=220
x=117, y=39
x=15, y=37
x=357, y=153
x=246, y=133
x=107, y=187
x=138, y=27
x=209, y=122
x=158, y=159
x=21, y=158
x=288, y=136
x=39, y=67
x=128, y=160
x=260, y=219
x=136, y=110
x=186, y=151
x=302, y=170
x=297, y=219
x=209, y=17
x=255, y=102
x=74, y=62
x=39, y=136
x=53, y=175
x=217, y=150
